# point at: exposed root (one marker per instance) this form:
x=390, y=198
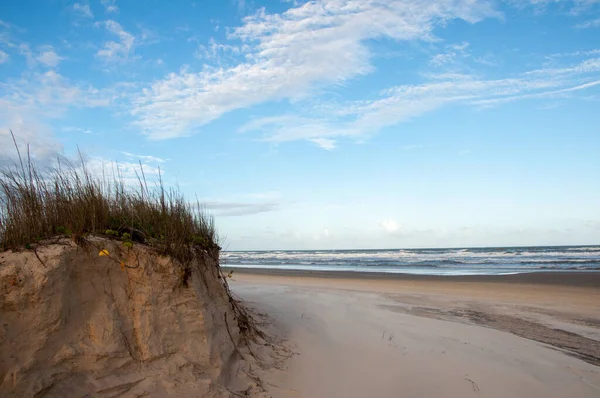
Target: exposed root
x=231, y=337
x=38, y=257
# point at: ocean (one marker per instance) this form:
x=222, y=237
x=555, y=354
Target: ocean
x=467, y=261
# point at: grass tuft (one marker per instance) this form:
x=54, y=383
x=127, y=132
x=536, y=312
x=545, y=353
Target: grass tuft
x=38, y=204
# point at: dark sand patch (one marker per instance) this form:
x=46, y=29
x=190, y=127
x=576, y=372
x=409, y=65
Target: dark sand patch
x=571, y=343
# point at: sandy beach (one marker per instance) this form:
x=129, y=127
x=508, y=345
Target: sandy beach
x=354, y=335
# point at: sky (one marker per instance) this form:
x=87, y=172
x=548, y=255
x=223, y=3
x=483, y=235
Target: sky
x=325, y=124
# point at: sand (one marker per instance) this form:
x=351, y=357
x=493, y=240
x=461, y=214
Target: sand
x=410, y=336
x=131, y=324
x=74, y=323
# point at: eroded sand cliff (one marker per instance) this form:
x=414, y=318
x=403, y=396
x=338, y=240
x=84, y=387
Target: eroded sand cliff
x=130, y=323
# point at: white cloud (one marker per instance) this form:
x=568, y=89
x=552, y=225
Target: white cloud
x=411, y=147
x=324, y=143
x=588, y=66
x=319, y=131
x=145, y=158
x=49, y=58
x=574, y=7
x=595, y=23
x=45, y=151
x=231, y=209
x=572, y=54
x=290, y=54
x=216, y=51
x=244, y=205
x=30, y=135
x=25, y=51
x=47, y=94
x=116, y=51
x=27, y=103
x=389, y=226
x=451, y=54
x=3, y=57
x=83, y=10
x=110, y=6
x=442, y=59
x=72, y=129
x=544, y=94
x=405, y=102
x=129, y=173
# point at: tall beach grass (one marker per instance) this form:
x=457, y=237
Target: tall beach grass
x=67, y=199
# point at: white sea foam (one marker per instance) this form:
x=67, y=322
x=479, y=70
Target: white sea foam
x=424, y=260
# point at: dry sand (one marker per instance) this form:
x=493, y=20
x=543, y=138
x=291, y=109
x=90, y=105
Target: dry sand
x=408, y=336
x=130, y=324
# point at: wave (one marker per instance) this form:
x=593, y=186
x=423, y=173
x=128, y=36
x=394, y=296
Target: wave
x=410, y=254
x=416, y=262
x=429, y=264
x=530, y=258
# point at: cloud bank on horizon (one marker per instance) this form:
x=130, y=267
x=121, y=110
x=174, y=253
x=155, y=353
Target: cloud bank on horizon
x=276, y=93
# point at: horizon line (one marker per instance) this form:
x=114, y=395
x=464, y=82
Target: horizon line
x=414, y=248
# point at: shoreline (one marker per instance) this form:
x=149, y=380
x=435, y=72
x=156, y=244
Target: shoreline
x=583, y=278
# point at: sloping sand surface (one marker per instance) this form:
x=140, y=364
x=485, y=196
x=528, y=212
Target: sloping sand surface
x=414, y=338
x=129, y=324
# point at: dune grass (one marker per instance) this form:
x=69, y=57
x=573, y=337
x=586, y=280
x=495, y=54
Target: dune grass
x=67, y=199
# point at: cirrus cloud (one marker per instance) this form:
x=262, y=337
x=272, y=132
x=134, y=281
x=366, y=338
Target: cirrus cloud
x=82, y=10
x=290, y=55
x=355, y=119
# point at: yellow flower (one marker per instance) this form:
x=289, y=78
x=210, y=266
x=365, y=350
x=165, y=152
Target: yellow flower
x=103, y=253
x=122, y=265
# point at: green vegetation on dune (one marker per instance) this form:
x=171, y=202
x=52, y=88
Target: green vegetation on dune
x=68, y=199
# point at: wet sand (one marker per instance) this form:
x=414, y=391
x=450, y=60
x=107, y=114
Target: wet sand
x=362, y=335
x=564, y=278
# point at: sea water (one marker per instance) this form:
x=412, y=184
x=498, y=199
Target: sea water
x=456, y=261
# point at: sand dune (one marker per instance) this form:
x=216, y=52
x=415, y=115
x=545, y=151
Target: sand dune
x=128, y=324
x=429, y=338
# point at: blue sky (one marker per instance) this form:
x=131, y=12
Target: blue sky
x=326, y=124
